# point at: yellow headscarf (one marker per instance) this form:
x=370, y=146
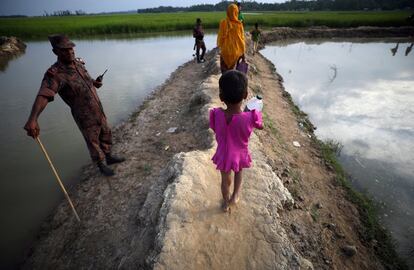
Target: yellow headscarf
x=230, y=38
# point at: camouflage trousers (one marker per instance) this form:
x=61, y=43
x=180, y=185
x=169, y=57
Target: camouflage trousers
x=98, y=138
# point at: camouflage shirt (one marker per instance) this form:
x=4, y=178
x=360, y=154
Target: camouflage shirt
x=76, y=87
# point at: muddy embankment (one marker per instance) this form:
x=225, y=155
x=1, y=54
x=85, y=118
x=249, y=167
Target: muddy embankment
x=283, y=33
x=162, y=209
x=10, y=48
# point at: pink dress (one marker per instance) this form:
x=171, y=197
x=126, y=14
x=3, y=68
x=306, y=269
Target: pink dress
x=233, y=138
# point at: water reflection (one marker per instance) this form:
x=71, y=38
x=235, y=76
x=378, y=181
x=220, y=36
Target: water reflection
x=136, y=66
x=361, y=96
x=409, y=48
x=395, y=49
x=5, y=60
x=335, y=73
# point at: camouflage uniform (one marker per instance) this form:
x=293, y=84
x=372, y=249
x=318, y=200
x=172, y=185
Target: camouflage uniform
x=76, y=87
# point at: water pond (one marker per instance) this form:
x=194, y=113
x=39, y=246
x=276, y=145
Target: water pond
x=361, y=93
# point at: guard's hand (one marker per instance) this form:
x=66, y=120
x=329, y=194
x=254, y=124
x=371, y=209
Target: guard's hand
x=98, y=83
x=99, y=78
x=243, y=57
x=32, y=128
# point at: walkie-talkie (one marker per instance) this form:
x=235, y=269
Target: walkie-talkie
x=100, y=77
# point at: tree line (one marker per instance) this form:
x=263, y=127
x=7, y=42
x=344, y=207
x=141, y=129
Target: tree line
x=292, y=5
x=64, y=13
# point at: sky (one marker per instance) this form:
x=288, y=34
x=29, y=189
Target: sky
x=37, y=7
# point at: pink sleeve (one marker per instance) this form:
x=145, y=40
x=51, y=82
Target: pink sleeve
x=257, y=119
x=212, y=119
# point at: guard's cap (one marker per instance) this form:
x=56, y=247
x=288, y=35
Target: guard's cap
x=61, y=41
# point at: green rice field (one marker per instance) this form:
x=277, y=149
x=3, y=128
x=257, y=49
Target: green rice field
x=40, y=27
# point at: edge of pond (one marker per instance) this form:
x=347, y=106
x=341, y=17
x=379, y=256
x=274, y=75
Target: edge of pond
x=367, y=207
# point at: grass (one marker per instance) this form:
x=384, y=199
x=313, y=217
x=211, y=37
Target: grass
x=314, y=213
x=335, y=146
x=296, y=176
x=269, y=125
x=147, y=169
x=78, y=26
x=295, y=186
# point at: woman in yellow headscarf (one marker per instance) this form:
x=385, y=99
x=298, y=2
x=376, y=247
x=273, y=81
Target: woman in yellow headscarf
x=230, y=39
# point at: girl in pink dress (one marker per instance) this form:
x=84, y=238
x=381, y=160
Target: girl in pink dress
x=233, y=127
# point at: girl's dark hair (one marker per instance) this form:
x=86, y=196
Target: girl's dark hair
x=233, y=86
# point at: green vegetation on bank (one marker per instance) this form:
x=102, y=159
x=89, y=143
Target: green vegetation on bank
x=78, y=26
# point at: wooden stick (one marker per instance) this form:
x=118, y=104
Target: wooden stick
x=58, y=178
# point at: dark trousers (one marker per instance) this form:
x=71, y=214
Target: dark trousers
x=200, y=45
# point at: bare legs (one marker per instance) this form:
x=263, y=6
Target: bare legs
x=225, y=188
x=237, y=184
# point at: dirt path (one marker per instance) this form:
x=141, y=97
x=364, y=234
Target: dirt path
x=162, y=210
x=282, y=33
x=194, y=233
x=272, y=228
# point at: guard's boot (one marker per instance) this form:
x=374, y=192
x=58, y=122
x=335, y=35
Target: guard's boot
x=105, y=170
x=112, y=159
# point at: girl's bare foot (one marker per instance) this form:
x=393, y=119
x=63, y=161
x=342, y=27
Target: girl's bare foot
x=234, y=199
x=225, y=206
